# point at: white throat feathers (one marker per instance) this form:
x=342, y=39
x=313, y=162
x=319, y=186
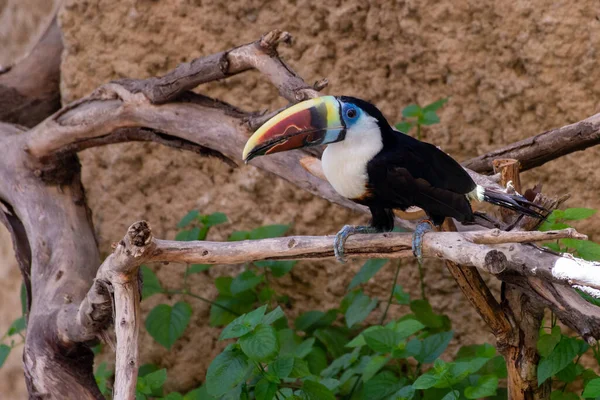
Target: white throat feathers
x=345, y=163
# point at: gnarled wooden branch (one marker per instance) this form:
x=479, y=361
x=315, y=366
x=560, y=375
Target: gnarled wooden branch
x=29, y=91
x=538, y=150
x=501, y=259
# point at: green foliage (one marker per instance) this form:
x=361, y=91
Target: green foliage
x=166, y=324
x=417, y=116
x=335, y=354
x=581, y=248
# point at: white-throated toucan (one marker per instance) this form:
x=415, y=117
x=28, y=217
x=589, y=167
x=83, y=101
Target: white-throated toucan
x=369, y=162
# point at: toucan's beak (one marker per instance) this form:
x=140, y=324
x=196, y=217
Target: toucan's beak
x=309, y=123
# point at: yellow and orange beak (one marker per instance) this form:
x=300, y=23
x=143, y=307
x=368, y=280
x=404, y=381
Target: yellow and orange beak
x=309, y=123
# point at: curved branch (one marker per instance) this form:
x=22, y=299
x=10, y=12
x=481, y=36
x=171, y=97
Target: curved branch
x=538, y=150
x=260, y=55
x=29, y=91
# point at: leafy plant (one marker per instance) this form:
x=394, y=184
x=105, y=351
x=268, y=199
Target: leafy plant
x=417, y=116
x=14, y=335
x=335, y=353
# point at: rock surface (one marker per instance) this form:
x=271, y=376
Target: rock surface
x=511, y=70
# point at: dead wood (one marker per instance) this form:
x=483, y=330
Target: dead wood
x=29, y=90
x=71, y=299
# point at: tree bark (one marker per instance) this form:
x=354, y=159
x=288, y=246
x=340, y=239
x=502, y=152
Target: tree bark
x=45, y=209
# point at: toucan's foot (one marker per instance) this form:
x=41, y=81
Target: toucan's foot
x=417, y=241
x=342, y=235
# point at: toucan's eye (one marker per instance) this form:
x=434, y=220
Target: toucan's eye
x=351, y=113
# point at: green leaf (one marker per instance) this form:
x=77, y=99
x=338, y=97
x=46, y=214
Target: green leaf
x=282, y=367
x=197, y=268
x=243, y=324
x=585, y=249
x=226, y=371
x=561, y=356
x=213, y=219
x=241, y=303
x=400, y=295
x=151, y=284
x=316, y=391
x=424, y=313
x=316, y=360
x=273, y=316
x=406, y=393
x=592, y=389
x=278, y=268
x=570, y=372
x=546, y=343
x=146, y=369
x=245, y=281
x=304, y=348
x=300, y=369
x=433, y=346
x=359, y=309
x=188, y=235
x=367, y=271
x=23, y=299
x=373, y=366
x=101, y=376
x=574, y=214
x=260, y=345
x=173, y=396
x=333, y=340
x=166, y=324
x=408, y=327
x=436, y=105
x=560, y=395
x=223, y=284
x=404, y=126
x=265, y=390
x=239, y=235
x=426, y=381
x=17, y=326
x=452, y=395
x=411, y=110
x=198, y=394
x=410, y=349
x=268, y=231
x=156, y=380
x=382, y=340
x=381, y=386
x=429, y=118
x=189, y=217
x=314, y=319
x=552, y=226
x=486, y=386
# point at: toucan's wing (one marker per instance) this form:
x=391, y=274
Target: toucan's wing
x=425, y=161
x=396, y=187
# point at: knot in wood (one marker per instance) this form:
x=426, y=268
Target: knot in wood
x=140, y=234
x=495, y=261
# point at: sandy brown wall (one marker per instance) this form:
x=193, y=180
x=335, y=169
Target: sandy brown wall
x=511, y=70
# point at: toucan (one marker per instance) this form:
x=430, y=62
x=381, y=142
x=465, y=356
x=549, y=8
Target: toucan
x=371, y=163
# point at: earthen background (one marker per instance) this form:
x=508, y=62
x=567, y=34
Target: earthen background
x=511, y=70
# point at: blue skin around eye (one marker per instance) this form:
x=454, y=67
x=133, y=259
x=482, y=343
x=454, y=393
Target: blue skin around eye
x=350, y=121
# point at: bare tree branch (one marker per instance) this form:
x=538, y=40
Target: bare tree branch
x=29, y=91
x=538, y=150
x=260, y=55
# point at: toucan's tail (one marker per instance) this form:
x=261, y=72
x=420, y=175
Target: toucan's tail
x=514, y=202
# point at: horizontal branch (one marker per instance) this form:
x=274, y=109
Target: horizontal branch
x=503, y=259
x=538, y=150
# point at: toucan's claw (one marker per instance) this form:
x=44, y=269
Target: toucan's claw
x=343, y=234
x=417, y=241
